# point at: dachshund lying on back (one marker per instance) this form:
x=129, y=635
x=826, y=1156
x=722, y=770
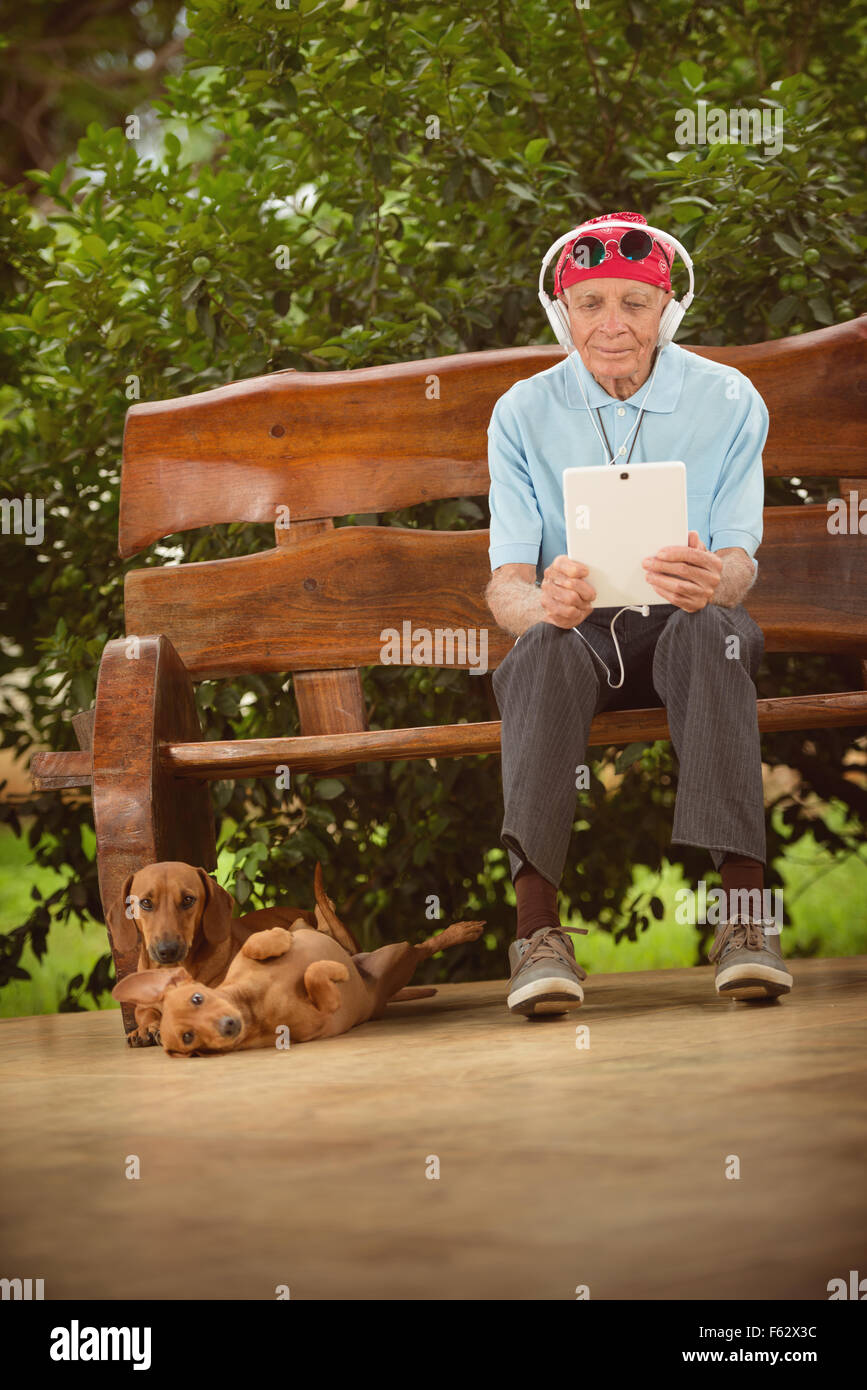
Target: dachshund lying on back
x=184, y=916
x=298, y=985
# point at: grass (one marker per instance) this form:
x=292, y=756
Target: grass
x=825, y=906
x=825, y=914
x=71, y=950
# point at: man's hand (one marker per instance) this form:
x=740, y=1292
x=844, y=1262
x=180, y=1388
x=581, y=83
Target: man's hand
x=567, y=598
x=685, y=575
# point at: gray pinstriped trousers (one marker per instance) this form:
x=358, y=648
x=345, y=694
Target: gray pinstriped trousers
x=549, y=687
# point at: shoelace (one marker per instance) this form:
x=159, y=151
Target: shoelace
x=740, y=931
x=551, y=941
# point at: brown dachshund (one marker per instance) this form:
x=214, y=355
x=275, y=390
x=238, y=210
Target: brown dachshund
x=284, y=987
x=184, y=916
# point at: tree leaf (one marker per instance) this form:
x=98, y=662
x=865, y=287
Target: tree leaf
x=535, y=149
x=327, y=788
x=787, y=244
x=94, y=247
x=630, y=754
x=692, y=74
x=822, y=311
x=783, y=310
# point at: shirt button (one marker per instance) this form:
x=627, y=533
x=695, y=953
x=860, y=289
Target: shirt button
x=620, y=410
x=622, y=451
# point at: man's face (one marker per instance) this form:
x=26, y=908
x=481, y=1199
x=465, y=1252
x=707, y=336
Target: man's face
x=615, y=325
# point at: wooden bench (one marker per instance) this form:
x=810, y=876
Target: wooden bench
x=334, y=444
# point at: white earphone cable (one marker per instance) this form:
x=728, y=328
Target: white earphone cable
x=569, y=355
x=644, y=610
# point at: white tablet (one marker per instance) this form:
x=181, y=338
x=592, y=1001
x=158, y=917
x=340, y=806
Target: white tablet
x=618, y=514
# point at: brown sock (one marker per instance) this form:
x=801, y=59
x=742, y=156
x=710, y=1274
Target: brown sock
x=739, y=872
x=537, y=901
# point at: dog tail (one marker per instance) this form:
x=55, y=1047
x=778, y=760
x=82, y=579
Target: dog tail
x=327, y=917
x=412, y=992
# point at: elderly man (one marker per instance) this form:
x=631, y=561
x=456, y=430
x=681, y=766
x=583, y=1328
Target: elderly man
x=696, y=653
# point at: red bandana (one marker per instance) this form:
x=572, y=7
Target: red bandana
x=655, y=269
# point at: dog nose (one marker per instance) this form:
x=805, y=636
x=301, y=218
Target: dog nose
x=168, y=952
x=229, y=1027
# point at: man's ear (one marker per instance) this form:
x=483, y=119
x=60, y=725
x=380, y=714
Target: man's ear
x=217, y=914
x=149, y=986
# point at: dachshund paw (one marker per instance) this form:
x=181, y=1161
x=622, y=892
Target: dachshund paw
x=263, y=945
x=321, y=980
x=143, y=1037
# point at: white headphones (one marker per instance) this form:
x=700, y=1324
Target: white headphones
x=671, y=315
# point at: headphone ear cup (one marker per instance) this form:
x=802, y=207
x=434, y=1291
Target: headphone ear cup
x=672, y=316
x=560, y=324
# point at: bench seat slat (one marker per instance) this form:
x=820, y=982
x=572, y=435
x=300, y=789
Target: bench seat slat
x=259, y=757
x=51, y=771
x=214, y=760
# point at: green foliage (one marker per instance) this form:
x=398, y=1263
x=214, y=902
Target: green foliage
x=67, y=63
x=338, y=185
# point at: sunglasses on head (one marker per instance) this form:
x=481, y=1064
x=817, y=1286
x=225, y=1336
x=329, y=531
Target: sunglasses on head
x=589, y=250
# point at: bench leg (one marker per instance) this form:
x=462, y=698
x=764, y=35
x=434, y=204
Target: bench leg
x=142, y=815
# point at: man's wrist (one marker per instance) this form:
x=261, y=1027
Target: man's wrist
x=736, y=579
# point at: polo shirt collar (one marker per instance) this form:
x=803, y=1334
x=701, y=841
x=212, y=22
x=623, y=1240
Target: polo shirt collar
x=662, y=399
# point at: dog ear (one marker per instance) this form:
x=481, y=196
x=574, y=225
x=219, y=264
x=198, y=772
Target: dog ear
x=149, y=986
x=115, y=912
x=124, y=894
x=217, y=914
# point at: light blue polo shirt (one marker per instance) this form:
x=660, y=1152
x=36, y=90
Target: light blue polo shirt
x=707, y=414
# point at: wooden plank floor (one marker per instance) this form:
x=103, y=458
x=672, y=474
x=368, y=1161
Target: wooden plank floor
x=559, y=1166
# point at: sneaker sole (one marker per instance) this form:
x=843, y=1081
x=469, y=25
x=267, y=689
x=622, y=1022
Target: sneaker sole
x=551, y=995
x=753, y=982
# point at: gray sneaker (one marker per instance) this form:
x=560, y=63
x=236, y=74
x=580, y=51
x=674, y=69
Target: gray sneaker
x=546, y=978
x=749, y=960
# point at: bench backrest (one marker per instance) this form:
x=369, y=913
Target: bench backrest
x=312, y=447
